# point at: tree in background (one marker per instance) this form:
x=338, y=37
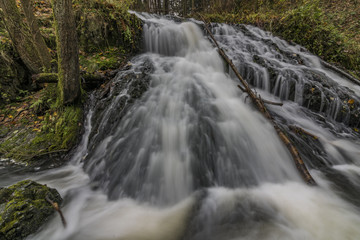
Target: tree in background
x=67, y=51
x=26, y=36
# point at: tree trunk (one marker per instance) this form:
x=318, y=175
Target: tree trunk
x=184, y=8
x=159, y=6
x=41, y=47
x=67, y=51
x=166, y=6
x=21, y=36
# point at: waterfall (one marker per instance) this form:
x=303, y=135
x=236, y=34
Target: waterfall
x=175, y=150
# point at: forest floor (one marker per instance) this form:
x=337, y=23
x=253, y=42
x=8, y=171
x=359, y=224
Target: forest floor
x=32, y=124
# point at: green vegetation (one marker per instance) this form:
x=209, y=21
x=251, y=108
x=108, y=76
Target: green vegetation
x=329, y=30
x=107, y=59
x=43, y=127
x=23, y=208
x=33, y=124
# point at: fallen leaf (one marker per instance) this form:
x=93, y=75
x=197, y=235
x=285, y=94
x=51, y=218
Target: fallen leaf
x=351, y=101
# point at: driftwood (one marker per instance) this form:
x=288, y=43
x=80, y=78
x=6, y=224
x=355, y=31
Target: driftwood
x=259, y=103
x=57, y=208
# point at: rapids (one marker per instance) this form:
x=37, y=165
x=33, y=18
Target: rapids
x=174, y=150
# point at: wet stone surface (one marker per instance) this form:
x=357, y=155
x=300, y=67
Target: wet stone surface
x=24, y=209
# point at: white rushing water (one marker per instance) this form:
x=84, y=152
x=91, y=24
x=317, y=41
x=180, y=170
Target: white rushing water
x=191, y=159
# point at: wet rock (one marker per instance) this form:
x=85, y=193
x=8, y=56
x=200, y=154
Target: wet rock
x=23, y=208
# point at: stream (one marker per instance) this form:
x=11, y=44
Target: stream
x=175, y=150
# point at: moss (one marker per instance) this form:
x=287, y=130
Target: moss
x=52, y=128
x=59, y=132
x=25, y=208
x=324, y=29
x=108, y=34
x=110, y=58
x=307, y=25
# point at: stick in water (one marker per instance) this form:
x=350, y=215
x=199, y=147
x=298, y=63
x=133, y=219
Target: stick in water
x=57, y=208
x=259, y=103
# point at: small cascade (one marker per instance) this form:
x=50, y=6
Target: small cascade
x=290, y=72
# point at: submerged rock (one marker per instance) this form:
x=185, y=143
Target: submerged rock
x=23, y=208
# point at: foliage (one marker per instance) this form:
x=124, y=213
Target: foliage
x=322, y=27
x=36, y=125
x=41, y=127
x=308, y=26
x=123, y=5
x=110, y=58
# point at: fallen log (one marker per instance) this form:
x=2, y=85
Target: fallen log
x=259, y=103
x=89, y=81
x=44, y=78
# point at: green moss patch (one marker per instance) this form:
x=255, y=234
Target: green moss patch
x=23, y=208
x=110, y=58
x=39, y=126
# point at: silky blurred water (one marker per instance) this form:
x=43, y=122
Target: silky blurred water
x=192, y=159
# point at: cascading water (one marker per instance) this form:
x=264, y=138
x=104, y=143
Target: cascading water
x=174, y=150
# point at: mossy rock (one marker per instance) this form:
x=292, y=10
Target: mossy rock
x=23, y=208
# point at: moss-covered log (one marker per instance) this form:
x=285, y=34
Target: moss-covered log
x=45, y=78
x=88, y=81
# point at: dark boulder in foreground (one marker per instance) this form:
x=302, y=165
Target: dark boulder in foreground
x=23, y=208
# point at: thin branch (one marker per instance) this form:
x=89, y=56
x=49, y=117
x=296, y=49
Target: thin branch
x=303, y=131
x=57, y=208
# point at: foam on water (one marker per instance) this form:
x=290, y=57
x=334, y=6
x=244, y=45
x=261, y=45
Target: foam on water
x=191, y=159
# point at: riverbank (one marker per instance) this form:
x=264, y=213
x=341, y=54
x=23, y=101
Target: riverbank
x=34, y=129
x=327, y=29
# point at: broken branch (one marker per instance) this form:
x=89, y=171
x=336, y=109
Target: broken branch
x=57, y=208
x=303, y=131
x=259, y=103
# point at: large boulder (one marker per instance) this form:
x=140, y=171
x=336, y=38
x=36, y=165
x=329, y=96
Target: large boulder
x=24, y=208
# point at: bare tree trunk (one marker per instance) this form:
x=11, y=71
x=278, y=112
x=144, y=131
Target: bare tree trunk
x=159, y=6
x=184, y=8
x=67, y=51
x=41, y=47
x=146, y=5
x=166, y=6
x=21, y=36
